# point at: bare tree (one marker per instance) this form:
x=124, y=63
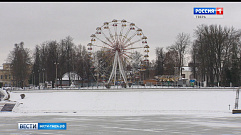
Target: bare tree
x=52, y=58
x=160, y=57
x=181, y=45
x=66, y=58
x=171, y=61
x=136, y=58
x=36, y=66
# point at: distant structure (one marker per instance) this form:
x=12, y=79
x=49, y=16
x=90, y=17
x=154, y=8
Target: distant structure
x=186, y=75
x=6, y=78
x=69, y=78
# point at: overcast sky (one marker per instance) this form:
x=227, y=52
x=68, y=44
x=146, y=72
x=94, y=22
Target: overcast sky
x=34, y=23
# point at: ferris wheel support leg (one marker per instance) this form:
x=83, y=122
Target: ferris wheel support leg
x=122, y=70
x=115, y=68
x=113, y=72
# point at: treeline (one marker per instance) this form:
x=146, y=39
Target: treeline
x=215, y=55
x=215, y=58
x=53, y=59
x=166, y=62
x=20, y=64
x=50, y=59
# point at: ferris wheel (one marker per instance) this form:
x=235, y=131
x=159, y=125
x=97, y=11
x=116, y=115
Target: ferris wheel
x=112, y=48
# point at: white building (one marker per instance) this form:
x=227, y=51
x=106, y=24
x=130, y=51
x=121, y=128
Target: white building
x=186, y=73
x=73, y=77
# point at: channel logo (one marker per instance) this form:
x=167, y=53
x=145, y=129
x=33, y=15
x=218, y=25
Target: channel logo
x=211, y=12
x=42, y=126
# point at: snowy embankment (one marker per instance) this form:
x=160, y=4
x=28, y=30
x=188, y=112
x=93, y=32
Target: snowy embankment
x=125, y=101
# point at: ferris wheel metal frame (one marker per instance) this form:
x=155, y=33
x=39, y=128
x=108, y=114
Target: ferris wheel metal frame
x=120, y=38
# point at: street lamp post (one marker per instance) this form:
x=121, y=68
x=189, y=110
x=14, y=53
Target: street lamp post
x=43, y=76
x=39, y=78
x=32, y=79
x=56, y=64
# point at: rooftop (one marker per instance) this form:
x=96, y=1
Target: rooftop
x=186, y=69
x=73, y=76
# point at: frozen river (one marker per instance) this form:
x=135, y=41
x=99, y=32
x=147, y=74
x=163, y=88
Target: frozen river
x=128, y=112
x=128, y=125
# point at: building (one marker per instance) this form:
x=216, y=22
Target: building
x=6, y=78
x=186, y=73
x=70, y=78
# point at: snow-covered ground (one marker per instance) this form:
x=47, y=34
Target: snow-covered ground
x=126, y=111
x=124, y=102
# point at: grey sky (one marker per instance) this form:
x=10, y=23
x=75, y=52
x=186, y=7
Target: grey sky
x=34, y=23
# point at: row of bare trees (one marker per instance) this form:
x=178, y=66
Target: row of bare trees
x=54, y=58
x=50, y=59
x=216, y=55
x=174, y=57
